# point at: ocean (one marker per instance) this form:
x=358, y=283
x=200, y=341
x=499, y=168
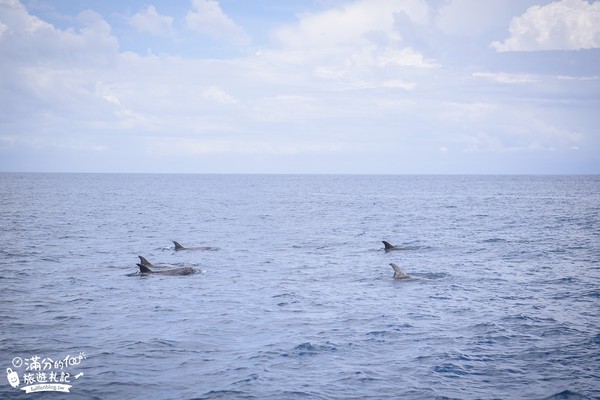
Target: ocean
x=297, y=299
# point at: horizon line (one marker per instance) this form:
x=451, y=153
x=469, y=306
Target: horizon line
x=312, y=173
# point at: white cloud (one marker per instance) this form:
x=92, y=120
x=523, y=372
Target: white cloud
x=357, y=45
x=561, y=25
x=406, y=57
x=351, y=22
x=197, y=146
x=503, y=77
x=207, y=17
x=578, y=78
x=48, y=73
x=26, y=39
x=368, y=67
x=218, y=95
x=18, y=19
x=150, y=21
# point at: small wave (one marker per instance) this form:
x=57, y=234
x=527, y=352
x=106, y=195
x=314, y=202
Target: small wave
x=562, y=281
x=309, y=349
x=67, y=318
x=567, y=395
x=286, y=299
x=595, y=340
x=225, y=394
x=250, y=378
x=51, y=259
x=393, y=329
x=433, y=275
x=495, y=240
x=450, y=369
x=299, y=395
x=525, y=317
x=364, y=377
x=377, y=333
x=471, y=358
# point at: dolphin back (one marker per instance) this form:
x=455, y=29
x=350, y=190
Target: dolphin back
x=176, y=271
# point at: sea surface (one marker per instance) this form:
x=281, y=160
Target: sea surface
x=297, y=300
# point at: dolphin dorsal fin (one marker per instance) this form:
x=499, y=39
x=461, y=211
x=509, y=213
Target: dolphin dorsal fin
x=387, y=245
x=177, y=245
x=144, y=269
x=143, y=261
x=398, y=273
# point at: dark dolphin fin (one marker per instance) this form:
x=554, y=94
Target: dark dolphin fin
x=387, y=246
x=144, y=269
x=145, y=262
x=177, y=245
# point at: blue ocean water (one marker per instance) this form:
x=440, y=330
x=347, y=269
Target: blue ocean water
x=297, y=301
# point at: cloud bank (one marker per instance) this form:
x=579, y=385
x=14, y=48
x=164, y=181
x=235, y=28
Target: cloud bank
x=561, y=25
x=365, y=86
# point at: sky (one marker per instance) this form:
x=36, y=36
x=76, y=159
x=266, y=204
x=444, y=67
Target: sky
x=312, y=86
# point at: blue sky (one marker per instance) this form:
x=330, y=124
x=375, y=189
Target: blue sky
x=314, y=86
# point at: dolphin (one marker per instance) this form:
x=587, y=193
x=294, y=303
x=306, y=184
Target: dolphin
x=144, y=270
x=148, y=264
x=398, y=273
x=389, y=247
x=180, y=247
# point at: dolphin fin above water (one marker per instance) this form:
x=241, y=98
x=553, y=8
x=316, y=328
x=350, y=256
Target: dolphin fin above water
x=180, y=247
x=177, y=246
x=398, y=273
x=143, y=261
x=391, y=247
x=388, y=246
